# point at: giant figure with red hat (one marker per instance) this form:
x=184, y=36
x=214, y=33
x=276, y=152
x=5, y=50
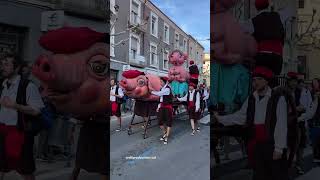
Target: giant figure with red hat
x=269, y=34
x=74, y=76
x=194, y=72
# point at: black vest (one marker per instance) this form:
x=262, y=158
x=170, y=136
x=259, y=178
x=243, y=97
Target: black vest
x=271, y=115
x=268, y=26
x=168, y=99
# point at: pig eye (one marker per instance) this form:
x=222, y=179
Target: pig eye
x=99, y=68
x=141, y=82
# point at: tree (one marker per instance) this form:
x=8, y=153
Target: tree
x=308, y=37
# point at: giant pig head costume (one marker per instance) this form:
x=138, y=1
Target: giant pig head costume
x=230, y=44
x=74, y=71
x=177, y=72
x=139, y=85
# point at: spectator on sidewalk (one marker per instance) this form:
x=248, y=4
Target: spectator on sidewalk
x=116, y=96
x=193, y=99
x=17, y=109
x=303, y=101
x=312, y=115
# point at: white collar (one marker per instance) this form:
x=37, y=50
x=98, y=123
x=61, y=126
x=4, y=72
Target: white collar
x=268, y=93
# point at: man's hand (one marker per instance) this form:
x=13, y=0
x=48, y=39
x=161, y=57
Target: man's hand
x=300, y=108
x=277, y=155
x=112, y=94
x=8, y=103
x=158, y=109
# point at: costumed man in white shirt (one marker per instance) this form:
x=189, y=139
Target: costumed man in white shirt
x=265, y=115
x=116, y=94
x=204, y=97
x=165, y=109
x=21, y=104
x=303, y=100
x=193, y=99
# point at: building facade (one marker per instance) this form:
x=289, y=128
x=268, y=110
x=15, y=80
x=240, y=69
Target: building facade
x=309, y=43
x=142, y=38
x=20, y=32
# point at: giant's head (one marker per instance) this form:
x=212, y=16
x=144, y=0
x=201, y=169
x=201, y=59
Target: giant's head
x=74, y=71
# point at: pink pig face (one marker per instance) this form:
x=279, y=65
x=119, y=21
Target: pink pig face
x=141, y=86
x=177, y=58
x=136, y=87
x=76, y=83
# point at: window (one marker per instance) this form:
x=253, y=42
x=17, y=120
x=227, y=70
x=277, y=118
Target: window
x=134, y=46
x=166, y=59
x=301, y=4
x=154, y=25
x=153, y=55
x=135, y=12
x=185, y=45
x=166, y=32
x=176, y=41
x=190, y=51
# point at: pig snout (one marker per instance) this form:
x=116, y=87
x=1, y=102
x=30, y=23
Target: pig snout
x=42, y=69
x=125, y=84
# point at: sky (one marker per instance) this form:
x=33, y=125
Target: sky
x=193, y=16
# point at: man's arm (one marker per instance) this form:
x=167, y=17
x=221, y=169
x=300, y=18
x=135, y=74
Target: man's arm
x=185, y=98
x=163, y=92
x=310, y=112
x=34, y=101
x=237, y=118
x=281, y=128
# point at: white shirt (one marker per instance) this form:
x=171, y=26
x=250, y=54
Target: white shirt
x=33, y=98
x=306, y=98
x=310, y=112
x=185, y=98
x=113, y=90
x=240, y=117
x=165, y=91
x=205, y=94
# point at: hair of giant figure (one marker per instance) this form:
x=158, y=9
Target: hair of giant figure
x=180, y=52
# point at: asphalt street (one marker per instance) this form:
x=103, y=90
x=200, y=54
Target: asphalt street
x=185, y=157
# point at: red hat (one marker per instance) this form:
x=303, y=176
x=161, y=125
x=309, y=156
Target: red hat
x=191, y=62
x=262, y=4
x=263, y=72
x=71, y=39
x=164, y=78
x=132, y=74
x=292, y=75
x=192, y=84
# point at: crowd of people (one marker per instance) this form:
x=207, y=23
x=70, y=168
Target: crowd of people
x=277, y=121
x=195, y=101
